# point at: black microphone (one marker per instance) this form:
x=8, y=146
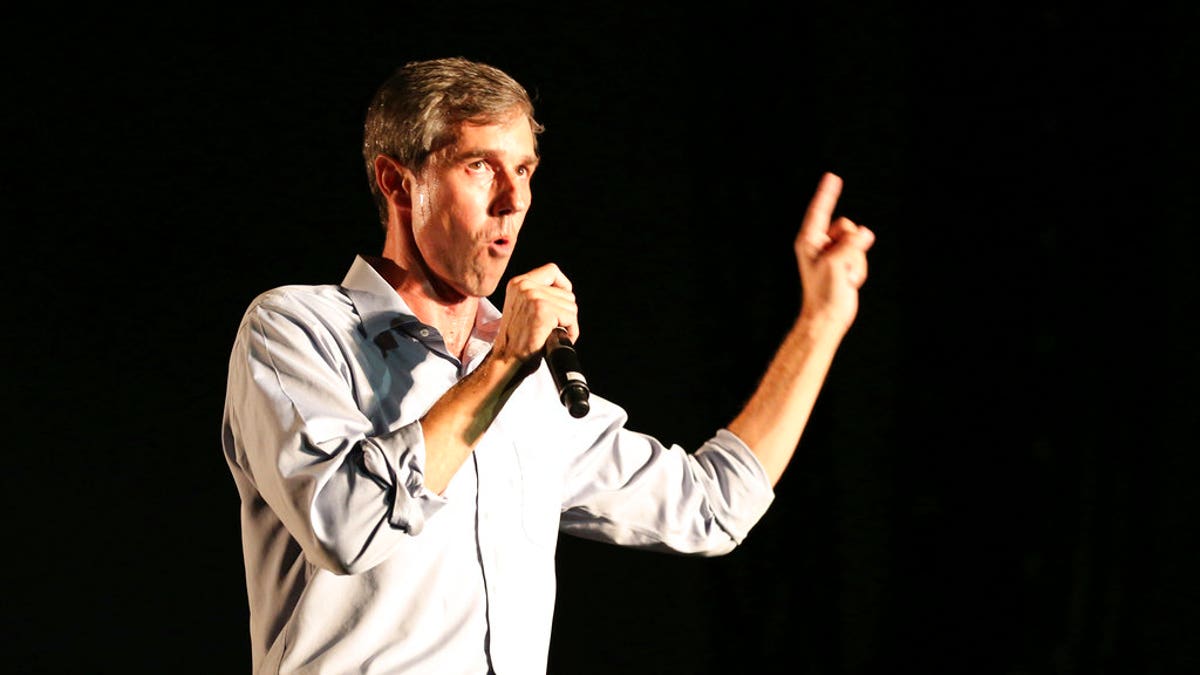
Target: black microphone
x=568, y=376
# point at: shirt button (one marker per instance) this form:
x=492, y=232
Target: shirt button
x=424, y=332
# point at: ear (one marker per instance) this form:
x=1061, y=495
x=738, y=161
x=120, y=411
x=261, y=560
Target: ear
x=394, y=180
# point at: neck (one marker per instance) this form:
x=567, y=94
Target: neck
x=452, y=314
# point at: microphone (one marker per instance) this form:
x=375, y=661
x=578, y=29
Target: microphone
x=568, y=376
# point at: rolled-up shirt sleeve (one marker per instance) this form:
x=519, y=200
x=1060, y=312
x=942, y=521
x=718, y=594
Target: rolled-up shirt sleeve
x=344, y=490
x=733, y=479
x=631, y=489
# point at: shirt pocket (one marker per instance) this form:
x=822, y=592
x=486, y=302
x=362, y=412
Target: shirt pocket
x=539, y=487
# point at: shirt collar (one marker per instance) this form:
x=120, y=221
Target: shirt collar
x=382, y=308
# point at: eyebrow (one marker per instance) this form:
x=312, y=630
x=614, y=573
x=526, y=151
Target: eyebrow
x=528, y=160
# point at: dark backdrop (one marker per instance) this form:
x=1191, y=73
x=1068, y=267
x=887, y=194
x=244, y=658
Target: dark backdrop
x=998, y=474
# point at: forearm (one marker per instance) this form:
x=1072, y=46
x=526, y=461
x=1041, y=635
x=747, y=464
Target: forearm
x=773, y=420
x=455, y=423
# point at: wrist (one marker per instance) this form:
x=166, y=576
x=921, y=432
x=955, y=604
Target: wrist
x=505, y=371
x=820, y=327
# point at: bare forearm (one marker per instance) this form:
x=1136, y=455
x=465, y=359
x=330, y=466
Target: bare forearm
x=833, y=266
x=774, y=418
x=454, y=424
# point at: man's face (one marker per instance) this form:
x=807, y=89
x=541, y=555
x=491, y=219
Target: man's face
x=469, y=202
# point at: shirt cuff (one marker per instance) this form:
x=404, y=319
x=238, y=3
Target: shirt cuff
x=398, y=459
x=740, y=491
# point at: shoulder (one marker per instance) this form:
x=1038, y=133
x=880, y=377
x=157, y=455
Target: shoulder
x=299, y=309
x=300, y=301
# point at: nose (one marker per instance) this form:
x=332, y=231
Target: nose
x=512, y=194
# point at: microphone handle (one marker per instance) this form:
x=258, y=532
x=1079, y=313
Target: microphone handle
x=568, y=375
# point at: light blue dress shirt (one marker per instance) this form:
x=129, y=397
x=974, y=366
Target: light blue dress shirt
x=353, y=566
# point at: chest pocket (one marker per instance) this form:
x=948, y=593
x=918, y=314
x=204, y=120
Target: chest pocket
x=519, y=490
x=538, y=483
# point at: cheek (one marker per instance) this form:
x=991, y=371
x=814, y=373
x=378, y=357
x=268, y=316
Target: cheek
x=431, y=218
x=423, y=204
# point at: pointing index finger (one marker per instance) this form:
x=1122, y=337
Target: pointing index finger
x=820, y=209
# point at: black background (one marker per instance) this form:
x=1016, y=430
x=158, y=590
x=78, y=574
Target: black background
x=998, y=475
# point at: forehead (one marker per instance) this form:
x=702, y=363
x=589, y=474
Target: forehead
x=511, y=136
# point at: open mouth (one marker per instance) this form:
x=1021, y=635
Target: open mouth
x=501, y=246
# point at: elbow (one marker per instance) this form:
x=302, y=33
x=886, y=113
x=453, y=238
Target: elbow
x=714, y=547
x=345, y=545
x=724, y=548
x=356, y=523
x=349, y=541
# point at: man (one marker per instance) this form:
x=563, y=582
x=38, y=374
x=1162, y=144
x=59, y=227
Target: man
x=403, y=459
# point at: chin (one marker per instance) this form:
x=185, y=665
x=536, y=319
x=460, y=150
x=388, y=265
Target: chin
x=486, y=290
x=487, y=285
x=475, y=288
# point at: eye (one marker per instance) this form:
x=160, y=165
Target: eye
x=478, y=165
